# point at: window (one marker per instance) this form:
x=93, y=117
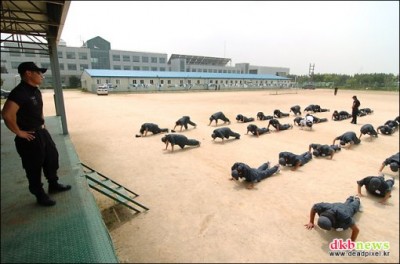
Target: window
x=153, y=59
x=60, y=55
x=193, y=70
x=141, y=81
x=169, y=81
x=135, y=58
x=136, y=68
x=145, y=59
x=154, y=68
x=116, y=58
x=71, y=55
x=162, y=81
x=94, y=60
x=117, y=82
x=127, y=68
x=189, y=81
x=44, y=56
x=133, y=81
x=117, y=67
x=72, y=67
x=162, y=68
x=161, y=60
x=98, y=81
x=145, y=68
x=126, y=58
x=83, y=56
x=151, y=82
x=83, y=67
x=181, y=82
x=61, y=66
x=198, y=81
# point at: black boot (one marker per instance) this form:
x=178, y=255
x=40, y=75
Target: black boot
x=58, y=187
x=44, y=199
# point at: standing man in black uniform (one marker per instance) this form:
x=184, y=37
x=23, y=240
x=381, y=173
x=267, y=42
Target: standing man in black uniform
x=354, y=111
x=23, y=115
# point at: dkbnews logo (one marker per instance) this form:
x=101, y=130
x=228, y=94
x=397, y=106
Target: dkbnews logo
x=340, y=244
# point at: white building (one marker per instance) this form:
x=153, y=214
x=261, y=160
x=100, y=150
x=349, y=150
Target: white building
x=96, y=53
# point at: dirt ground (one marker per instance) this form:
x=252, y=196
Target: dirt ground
x=196, y=213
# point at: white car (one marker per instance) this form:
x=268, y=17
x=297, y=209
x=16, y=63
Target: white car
x=102, y=90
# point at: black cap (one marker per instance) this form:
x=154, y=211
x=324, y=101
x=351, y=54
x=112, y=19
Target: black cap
x=30, y=66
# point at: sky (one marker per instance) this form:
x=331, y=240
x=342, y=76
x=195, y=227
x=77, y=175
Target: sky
x=341, y=37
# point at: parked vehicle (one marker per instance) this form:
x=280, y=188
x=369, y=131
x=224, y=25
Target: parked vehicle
x=102, y=90
x=4, y=94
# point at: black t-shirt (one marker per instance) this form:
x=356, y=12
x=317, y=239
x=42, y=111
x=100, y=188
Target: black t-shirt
x=291, y=159
x=29, y=100
x=380, y=191
x=393, y=158
x=342, y=214
x=349, y=136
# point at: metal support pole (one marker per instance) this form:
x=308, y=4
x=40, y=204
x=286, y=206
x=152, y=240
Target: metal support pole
x=58, y=93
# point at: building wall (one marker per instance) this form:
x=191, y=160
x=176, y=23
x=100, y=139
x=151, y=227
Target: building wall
x=97, y=54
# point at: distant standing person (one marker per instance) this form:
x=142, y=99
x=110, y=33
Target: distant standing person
x=336, y=89
x=354, y=109
x=23, y=115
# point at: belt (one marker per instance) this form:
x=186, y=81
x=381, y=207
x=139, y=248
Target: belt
x=36, y=128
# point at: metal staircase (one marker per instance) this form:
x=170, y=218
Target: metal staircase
x=112, y=189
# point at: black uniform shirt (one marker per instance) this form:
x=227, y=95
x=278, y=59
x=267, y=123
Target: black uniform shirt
x=348, y=136
x=29, y=100
x=341, y=213
x=290, y=158
x=380, y=191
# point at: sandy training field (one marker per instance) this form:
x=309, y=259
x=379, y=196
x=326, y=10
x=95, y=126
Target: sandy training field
x=196, y=213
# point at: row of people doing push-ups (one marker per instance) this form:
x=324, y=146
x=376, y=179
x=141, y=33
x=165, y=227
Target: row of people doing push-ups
x=225, y=132
x=338, y=216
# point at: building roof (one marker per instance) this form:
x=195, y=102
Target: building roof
x=32, y=22
x=178, y=75
x=200, y=60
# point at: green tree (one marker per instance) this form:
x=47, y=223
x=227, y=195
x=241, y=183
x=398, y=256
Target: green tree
x=74, y=82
